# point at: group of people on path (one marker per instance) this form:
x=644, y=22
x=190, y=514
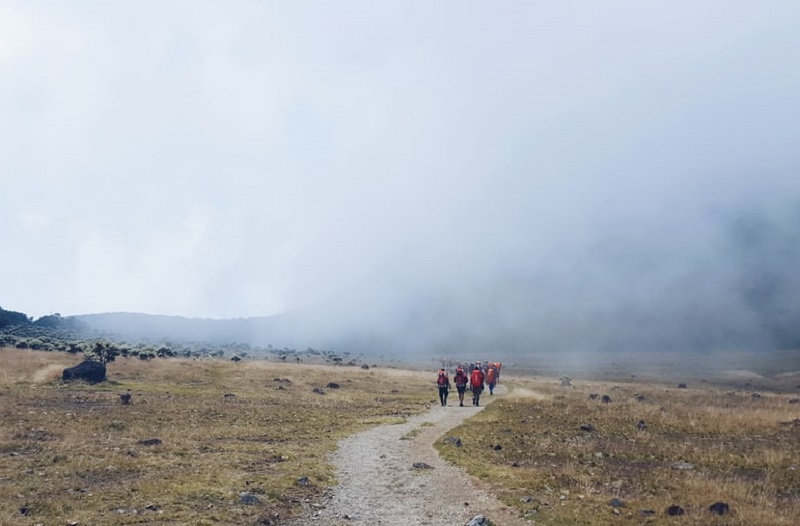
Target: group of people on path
x=479, y=377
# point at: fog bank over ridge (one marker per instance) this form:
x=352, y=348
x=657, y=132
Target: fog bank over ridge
x=728, y=284
x=447, y=178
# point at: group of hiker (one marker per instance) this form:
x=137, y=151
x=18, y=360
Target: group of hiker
x=477, y=376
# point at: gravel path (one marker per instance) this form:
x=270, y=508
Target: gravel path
x=377, y=485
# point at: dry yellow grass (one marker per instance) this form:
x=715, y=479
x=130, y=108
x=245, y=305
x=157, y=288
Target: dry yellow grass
x=743, y=450
x=74, y=452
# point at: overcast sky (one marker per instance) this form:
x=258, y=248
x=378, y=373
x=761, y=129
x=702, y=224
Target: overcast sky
x=550, y=163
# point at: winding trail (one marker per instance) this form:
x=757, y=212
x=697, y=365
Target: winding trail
x=377, y=485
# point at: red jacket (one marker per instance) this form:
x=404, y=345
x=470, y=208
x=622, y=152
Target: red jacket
x=476, y=380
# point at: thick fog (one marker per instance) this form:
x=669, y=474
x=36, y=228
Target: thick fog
x=436, y=177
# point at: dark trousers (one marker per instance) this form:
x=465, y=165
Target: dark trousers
x=443, y=395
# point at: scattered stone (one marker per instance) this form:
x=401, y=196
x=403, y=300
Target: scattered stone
x=794, y=401
x=719, y=508
x=248, y=499
x=755, y=396
x=318, y=390
x=333, y=385
x=616, y=503
x=675, y=510
x=236, y=359
x=683, y=466
x=152, y=507
x=587, y=427
x=526, y=499
x=125, y=398
x=479, y=520
x=87, y=371
x=229, y=395
x=150, y=442
x=682, y=386
x=594, y=396
x=566, y=381
x=421, y=465
x=454, y=441
x=605, y=399
x=640, y=398
x=303, y=482
x=647, y=512
x=498, y=447
x=641, y=425
x=24, y=511
x=515, y=464
x=364, y=366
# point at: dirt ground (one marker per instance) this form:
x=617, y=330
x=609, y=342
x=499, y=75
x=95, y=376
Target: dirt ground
x=377, y=484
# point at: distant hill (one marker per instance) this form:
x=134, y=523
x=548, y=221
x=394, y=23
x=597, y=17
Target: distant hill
x=159, y=327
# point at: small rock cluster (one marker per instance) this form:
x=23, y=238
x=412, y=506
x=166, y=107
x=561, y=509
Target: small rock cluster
x=718, y=508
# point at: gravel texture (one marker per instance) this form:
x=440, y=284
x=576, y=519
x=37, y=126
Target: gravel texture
x=379, y=486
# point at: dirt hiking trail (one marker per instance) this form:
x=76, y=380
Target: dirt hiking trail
x=378, y=486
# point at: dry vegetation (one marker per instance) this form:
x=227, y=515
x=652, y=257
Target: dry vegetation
x=74, y=453
x=732, y=445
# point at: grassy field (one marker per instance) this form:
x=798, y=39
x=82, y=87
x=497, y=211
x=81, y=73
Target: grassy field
x=228, y=433
x=225, y=434
x=696, y=446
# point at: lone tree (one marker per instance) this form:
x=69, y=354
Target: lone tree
x=102, y=352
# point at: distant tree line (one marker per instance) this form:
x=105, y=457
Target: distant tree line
x=66, y=334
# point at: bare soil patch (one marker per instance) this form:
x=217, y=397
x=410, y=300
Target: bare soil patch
x=378, y=485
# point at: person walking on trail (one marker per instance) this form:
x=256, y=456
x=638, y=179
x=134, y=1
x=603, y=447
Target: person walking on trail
x=461, y=382
x=476, y=382
x=443, y=381
x=491, y=378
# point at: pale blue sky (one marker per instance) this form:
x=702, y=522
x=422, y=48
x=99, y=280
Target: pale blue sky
x=225, y=159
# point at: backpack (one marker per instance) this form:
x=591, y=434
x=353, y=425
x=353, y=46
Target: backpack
x=477, y=378
x=461, y=378
x=442, y=380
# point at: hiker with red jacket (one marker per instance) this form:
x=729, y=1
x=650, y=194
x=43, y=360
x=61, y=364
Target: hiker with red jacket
x=491, y=378
x=476, y=382
x=461, y=382
x=443, y=381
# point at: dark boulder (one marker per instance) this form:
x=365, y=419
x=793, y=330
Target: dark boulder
x=248, y=499
x=719, y=508
x=88, y=371
x=674, y=511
